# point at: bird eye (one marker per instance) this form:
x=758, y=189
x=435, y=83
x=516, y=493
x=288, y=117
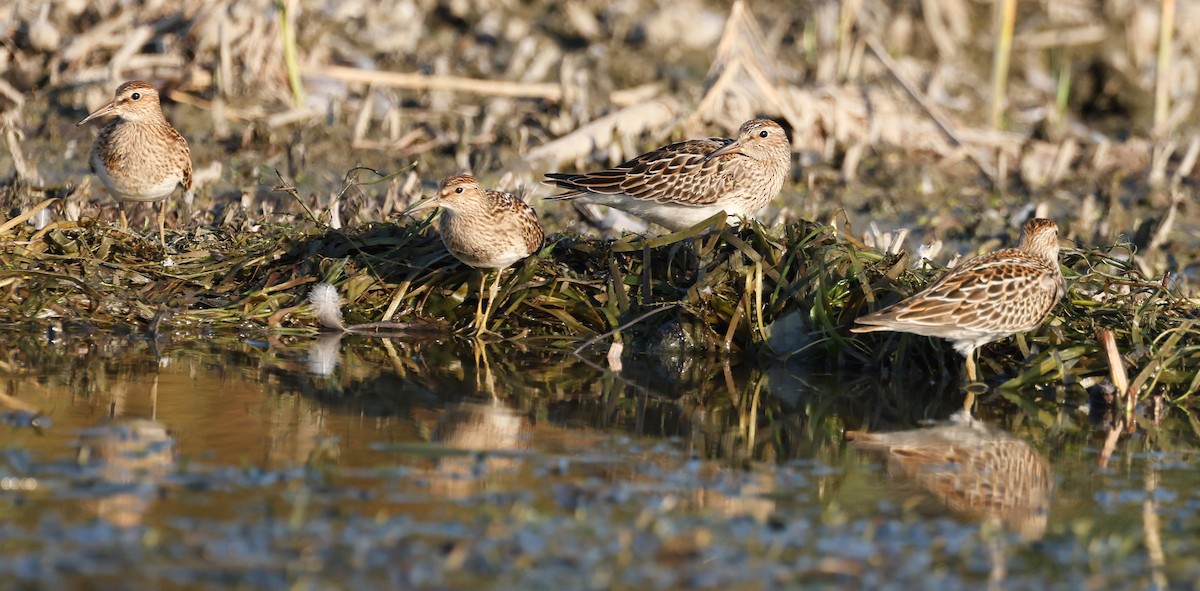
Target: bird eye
x=762, y=133
x=135, y=96
x=458, y=190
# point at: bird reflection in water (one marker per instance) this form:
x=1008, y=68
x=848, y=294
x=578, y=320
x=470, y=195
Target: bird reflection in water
x=972, y=468
x=490, y=428
x=125, y=459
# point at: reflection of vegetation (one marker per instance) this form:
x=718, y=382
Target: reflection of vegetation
x=743, y=291
x=555, y=444
x=717, y=408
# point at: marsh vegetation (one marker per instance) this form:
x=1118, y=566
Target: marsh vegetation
x=923, y=132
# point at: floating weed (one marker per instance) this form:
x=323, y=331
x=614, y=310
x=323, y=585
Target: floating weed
x=728, y=287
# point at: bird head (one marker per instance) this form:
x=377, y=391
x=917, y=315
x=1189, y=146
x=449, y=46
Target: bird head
x=134, y=101
x=1040, y=237
x=759, y=139
x=455, y=193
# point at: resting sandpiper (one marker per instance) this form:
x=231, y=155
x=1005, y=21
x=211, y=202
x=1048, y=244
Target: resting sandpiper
x=484, y=229
x=983, y=299
x=138, y=155
x=682, y=184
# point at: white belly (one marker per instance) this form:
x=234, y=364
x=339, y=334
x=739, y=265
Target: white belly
x=670, y=216
x=137, y=187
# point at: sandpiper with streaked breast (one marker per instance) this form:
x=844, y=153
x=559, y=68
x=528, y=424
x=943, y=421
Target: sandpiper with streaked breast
x=138, y=155
x=484, y=229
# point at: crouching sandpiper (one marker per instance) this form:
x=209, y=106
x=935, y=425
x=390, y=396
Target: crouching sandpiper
x=682, y=184
x=984, y=299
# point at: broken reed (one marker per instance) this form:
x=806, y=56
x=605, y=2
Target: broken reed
x=789, y=291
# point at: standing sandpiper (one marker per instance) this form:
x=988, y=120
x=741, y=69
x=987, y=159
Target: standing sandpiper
x=138, y=155
x=682, y=184
x=984, y=299
x=484, y=229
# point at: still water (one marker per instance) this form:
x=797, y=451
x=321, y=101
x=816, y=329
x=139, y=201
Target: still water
x=367, y=463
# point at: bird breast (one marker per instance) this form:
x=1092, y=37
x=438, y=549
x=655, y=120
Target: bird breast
x=139, y=163
x=480, y=244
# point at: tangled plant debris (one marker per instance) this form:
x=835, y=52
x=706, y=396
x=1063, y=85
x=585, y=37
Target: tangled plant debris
x=788, y=291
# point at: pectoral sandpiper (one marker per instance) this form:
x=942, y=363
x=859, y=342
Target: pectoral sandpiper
x=682, y=184
x=138, y=155
x=484, y=229
x=984, y=299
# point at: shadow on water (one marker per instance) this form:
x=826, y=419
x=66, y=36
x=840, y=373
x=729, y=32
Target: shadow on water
x=425, y=463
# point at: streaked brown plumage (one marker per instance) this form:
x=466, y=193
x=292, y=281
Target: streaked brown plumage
x=972, y=468
x=682, y=184
x=138, y=155
x=485, y=229
x=983, y=299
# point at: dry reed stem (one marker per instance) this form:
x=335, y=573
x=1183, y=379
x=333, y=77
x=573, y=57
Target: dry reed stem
x=498, y=88
x=1125, y=393
x=1007, y=11
x=1163, y=233
x=24, y=216
x=1061, y=37
x=943, y=124
x=11, y=93
x=917, y=96
x=26, y=171
x=1162, y=75
x=1188, y=163
x=948, y=24
x=287, y=28
x=598, y=135
x=744, y=68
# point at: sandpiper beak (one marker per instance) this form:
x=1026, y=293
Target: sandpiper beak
x=729, y=148
x=102, y=111
x=421, y=205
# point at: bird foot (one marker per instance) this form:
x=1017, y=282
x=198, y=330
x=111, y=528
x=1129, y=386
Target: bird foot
x=477, y=332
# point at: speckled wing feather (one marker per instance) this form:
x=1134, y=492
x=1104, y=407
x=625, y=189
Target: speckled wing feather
x=505, y=205
x=1004, y=291
x=679, y=173
x=97, y=150
x=183, y=156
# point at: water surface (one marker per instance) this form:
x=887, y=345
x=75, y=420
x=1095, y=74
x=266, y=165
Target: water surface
x=357, y=463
